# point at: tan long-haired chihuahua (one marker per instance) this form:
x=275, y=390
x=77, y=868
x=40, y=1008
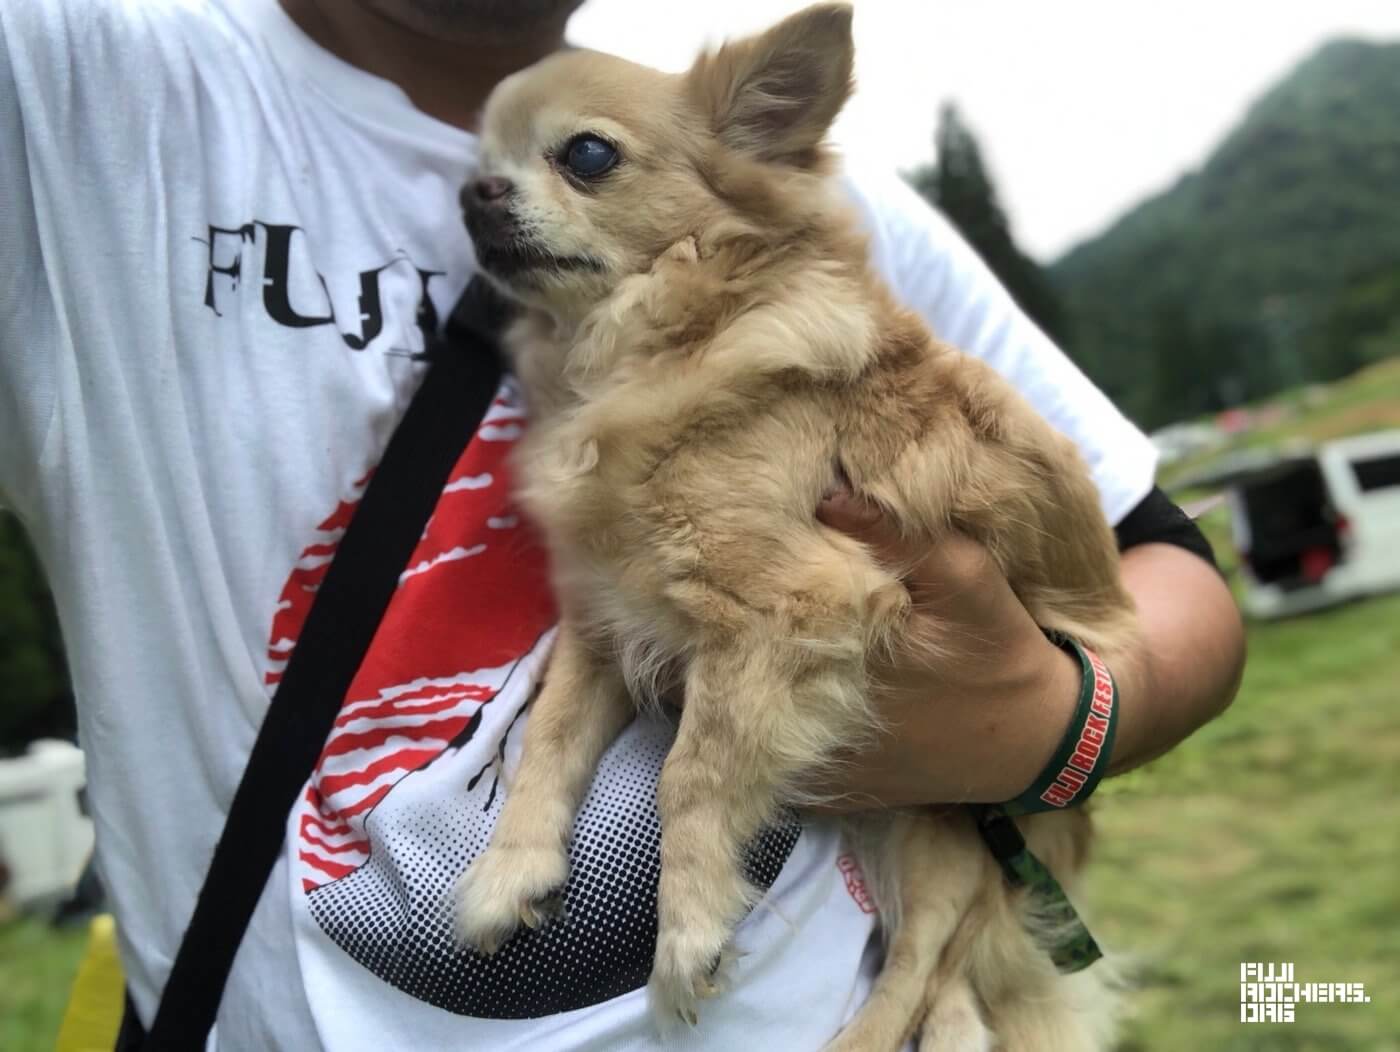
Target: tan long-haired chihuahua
x=706, y=352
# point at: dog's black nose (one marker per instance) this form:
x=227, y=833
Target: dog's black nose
x=486, y=209
x=492, y=188
x=487, y=195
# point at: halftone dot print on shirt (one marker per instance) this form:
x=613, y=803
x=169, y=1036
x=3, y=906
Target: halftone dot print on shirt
x=393, y=914
x=399, y=803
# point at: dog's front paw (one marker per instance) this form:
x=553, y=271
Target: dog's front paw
x=505, y=888
x=690, y=966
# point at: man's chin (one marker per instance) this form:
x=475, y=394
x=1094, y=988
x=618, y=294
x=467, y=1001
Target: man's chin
x=478, y=21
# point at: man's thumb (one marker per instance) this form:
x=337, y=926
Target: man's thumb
x=864, y=521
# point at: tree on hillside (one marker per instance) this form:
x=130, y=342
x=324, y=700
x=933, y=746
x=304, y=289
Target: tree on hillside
x=34, y=695
x=1363, y=324
x=1191, y=369
x=958, y=185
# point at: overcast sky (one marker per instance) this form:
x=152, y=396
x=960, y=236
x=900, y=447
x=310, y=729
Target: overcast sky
x=1083, y=107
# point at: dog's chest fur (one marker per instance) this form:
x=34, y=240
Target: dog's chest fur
x=677, y=452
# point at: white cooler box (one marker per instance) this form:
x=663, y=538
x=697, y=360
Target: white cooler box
x=45, y=838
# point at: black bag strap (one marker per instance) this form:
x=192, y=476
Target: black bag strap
x=462, y=377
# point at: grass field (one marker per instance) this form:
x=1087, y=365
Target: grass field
x=37, y=965
x=1272, y=835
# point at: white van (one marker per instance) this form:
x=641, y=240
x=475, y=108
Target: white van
x=1315, y=525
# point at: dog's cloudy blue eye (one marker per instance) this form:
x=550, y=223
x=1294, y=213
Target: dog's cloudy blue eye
x=589, y=155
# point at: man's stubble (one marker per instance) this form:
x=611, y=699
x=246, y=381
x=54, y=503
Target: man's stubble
x=460, y=19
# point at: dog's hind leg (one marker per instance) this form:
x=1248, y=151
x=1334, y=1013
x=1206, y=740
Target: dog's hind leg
x=519, y=878
x=935, y=867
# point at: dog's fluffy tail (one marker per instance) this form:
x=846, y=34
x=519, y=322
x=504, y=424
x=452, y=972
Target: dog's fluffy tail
x=964, y=966
x=954, y=1022
x=900, y=1000
x=1026, y=1001
x=926, y=872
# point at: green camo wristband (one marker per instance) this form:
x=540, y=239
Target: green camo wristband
x=1071, y=776
x=1079, y=763
x=1072, y=947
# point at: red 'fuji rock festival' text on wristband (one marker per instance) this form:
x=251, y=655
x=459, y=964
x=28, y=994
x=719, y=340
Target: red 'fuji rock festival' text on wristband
x=1081, y=760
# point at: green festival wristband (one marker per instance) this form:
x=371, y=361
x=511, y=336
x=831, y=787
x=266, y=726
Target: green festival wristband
x=1081, y=760
x=1072, y=774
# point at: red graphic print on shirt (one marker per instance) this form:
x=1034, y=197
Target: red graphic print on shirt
x=472, y=601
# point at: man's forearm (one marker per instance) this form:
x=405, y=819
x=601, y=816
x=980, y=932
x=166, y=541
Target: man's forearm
x=1192, y=656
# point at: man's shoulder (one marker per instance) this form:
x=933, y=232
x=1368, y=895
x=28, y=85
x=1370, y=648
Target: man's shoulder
x=79, y=20
x=100, y=87
x=889, y=204
x=75, y=49
x=912, y=245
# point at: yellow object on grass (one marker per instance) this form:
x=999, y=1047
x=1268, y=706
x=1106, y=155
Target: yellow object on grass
x=94, y=1012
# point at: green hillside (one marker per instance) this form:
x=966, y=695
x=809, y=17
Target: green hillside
x=1277, y=262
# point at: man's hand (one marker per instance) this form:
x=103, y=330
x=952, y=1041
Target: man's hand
x=980, y=726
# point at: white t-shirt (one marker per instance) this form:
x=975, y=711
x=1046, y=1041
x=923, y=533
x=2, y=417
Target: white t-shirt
x=219, y=248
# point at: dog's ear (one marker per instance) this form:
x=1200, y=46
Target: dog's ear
x=774, y=96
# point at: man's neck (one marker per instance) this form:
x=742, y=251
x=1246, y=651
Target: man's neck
x=446, y=79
